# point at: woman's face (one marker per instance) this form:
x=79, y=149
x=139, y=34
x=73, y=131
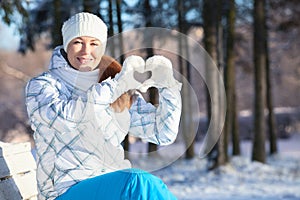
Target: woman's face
x=84, y=53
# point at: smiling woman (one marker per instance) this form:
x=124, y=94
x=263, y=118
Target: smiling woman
x=79, y=122
x=84, y=42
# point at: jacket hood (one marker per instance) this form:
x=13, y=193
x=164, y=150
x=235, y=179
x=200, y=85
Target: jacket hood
x=58, y=60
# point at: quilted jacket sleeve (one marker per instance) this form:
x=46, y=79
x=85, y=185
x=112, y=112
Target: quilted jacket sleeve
x=160, y=124
x=49, y=103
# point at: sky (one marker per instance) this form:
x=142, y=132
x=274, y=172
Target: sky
x=9, y=37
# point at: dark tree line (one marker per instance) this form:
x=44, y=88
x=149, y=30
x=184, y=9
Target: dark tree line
x=218, y=18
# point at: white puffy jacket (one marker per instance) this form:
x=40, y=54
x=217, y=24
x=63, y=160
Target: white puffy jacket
x=77, y=134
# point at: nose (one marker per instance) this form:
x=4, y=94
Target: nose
x=86, y=48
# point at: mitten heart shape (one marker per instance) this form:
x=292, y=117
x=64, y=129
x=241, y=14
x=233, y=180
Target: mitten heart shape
x=142, y=77
x=161, y=74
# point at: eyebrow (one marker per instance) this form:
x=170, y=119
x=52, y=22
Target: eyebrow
x=92, y=40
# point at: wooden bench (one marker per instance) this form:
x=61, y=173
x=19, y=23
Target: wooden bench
x=17, y=172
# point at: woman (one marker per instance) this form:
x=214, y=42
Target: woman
x=79, y=128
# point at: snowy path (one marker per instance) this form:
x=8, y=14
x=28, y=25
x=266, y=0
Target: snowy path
x=241, y=179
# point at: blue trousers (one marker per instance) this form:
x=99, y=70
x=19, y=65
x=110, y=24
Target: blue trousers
x=128, y=184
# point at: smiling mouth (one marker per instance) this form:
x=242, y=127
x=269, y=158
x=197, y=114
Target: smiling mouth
x=84, y=60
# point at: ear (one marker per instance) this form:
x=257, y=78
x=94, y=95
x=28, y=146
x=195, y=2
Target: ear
x=108, y=67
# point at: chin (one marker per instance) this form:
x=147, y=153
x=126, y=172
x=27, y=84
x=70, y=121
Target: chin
x=85, y=69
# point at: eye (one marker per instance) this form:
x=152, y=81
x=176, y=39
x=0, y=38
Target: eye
x=95, y=43
x=77, y=42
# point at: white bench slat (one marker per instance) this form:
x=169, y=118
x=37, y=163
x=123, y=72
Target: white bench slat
x=17, y=172
x=25, y=184
x=9, y=148
x=20, y=162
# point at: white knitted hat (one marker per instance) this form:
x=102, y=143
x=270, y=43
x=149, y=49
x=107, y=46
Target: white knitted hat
x=84, y=24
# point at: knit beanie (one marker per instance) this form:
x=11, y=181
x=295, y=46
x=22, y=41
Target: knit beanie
x=84, y=24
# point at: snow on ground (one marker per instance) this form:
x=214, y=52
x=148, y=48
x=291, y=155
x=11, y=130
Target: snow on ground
x=241, y=179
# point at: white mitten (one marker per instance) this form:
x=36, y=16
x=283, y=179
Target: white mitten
x=162, y=73
x=125, y=79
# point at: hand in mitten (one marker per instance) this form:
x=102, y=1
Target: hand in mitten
x=125, y=79
x=162, y=73
x=123, y=102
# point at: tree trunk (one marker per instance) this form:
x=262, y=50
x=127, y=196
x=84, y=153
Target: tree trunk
x=56, y=30
x=111, y=31
x=120, y=29
x=236, y=150
x=91, y=6
x=258, y=151
x=271, y=116
x=188, y=131
x=222, y=156
x=211, y=19
x=231, y=117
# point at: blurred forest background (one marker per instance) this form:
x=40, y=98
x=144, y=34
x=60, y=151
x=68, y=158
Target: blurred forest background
x=254, y=43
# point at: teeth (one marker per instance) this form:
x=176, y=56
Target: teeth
x=84, y=60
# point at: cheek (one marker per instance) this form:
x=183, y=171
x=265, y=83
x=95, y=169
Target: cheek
x=98, y=53
x=71, y=52
x=70, y=57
